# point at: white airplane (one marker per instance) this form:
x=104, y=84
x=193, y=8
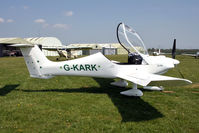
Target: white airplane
x=67, y=52
x=155, y=53
x=193, y=55
x=141, y=68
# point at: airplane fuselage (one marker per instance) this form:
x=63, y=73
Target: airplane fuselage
x=98, y=65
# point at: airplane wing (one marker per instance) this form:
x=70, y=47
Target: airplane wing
x=22, y=45
x=51, y=49
x=78, y=48
x=65, y=48
x=144, y=79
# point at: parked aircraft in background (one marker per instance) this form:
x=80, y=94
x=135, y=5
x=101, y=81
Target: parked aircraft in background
x=67, y=52
x=141, y=68
x=155, y=53
x=193, y=55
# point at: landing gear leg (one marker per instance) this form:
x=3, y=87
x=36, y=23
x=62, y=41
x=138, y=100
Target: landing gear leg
x=132, y=92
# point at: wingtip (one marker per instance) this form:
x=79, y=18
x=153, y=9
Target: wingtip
x=189, y=81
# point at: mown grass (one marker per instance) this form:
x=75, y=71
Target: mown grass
x=83, y=104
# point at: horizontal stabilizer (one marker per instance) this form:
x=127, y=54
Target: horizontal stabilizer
x=22, y=45
x=144, y=79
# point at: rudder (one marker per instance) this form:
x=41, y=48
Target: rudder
x=35, y=59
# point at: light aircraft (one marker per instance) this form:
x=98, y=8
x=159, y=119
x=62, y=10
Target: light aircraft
x=141, y=68
x=155, y=53
x=67, y=52
x=193, y=55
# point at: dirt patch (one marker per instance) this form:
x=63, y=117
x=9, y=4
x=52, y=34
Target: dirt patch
x=195, y=91
x=193, y=86
x=168, y=91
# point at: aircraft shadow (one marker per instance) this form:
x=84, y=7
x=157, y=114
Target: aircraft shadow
x=130, y=108
x=7, y=89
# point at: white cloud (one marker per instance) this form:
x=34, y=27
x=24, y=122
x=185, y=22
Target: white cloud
x=45, y=25
x=10, y=21
x=61, y=26
x=25, y=7
x=1, y=20
x=41, y=21
x=6, y=21
x=69, y=13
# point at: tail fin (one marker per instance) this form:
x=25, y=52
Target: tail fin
x=35, y=59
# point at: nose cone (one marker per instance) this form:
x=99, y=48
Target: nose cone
x=171, y=63
x=175, y=62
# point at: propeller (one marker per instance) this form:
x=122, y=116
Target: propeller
x=174, y=49
x=174, y=55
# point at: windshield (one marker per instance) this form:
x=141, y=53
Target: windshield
x=130, y=40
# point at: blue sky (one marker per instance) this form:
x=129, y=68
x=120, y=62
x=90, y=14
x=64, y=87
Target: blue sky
x=92, y=21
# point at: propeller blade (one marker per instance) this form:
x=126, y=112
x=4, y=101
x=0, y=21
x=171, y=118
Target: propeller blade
x=174, y=55
x=174, y=49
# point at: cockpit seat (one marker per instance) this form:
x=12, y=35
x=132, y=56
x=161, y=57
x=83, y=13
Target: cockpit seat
x=134, y=58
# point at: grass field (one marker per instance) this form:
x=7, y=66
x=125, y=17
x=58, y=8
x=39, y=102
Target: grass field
x=83, y=104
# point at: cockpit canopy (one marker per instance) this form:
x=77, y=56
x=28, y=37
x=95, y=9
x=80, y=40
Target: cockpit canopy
x=130, y=40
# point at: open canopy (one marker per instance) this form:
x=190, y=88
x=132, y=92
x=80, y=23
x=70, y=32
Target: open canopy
x=130, y=40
